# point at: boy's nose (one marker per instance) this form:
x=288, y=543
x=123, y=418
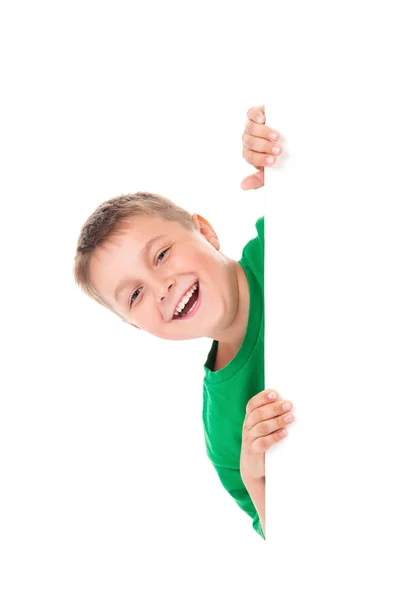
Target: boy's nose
x=164, y=291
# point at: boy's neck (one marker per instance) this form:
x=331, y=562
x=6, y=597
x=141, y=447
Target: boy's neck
x=230, y=342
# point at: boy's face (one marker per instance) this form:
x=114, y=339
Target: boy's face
x=156, y=279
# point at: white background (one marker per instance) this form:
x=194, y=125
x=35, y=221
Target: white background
x=106, y=490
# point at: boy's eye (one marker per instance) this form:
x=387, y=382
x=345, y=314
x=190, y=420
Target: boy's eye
x=133, y=297
x=164, y=252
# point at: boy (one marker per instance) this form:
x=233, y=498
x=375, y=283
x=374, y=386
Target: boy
x=155, y=265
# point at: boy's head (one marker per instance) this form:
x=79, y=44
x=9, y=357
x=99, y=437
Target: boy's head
x=143, y=282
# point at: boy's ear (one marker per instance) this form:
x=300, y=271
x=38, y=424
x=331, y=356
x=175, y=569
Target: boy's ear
x=201, y=223
x=206, y=229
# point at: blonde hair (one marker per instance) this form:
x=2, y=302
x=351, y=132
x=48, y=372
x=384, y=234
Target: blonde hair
x=108, y=220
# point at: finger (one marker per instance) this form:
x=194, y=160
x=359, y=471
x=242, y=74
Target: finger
x=261, y=145
x=253, y=182
x=261, y=131
x=266, y=412
x=265, y=428
x=258, y=159
x=263, y=397
x=257, y=114
x=262, y=444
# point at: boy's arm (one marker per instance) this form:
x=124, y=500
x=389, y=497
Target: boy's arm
x=232, y=481
x=256, y=490
x=264, y=425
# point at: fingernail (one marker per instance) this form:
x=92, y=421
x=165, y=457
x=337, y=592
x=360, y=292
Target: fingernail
x=276, y=149
x=273, y=136
x=272, y=395
x=283, y=432
x=288, y=418
x=270, y=160
x=286, y=405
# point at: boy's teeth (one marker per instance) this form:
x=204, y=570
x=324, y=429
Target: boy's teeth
x=185, y=299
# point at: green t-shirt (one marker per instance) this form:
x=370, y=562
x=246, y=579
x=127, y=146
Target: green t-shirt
x=227, y=392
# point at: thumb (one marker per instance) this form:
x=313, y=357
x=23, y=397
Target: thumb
x=262, y=113
x=253, y=182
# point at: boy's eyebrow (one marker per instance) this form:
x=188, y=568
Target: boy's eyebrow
x=122, y=284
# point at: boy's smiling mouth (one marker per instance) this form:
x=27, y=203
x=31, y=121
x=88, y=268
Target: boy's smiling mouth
x=191, y=303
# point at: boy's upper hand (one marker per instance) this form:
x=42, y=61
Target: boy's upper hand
x=257, y=146
x=262, y=427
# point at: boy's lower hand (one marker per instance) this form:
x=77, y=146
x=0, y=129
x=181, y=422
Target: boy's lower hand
x=262, y=427
x=258, y=145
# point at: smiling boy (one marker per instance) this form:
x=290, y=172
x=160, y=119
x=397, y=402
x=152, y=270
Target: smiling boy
x=161, y=270
x=155, y=250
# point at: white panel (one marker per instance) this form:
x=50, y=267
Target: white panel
x=331, y=300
